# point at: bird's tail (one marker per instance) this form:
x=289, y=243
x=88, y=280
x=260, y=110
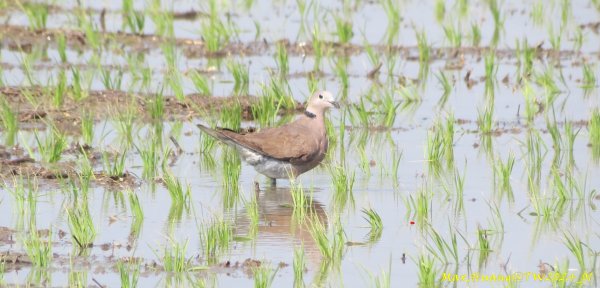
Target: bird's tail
x=218, y=135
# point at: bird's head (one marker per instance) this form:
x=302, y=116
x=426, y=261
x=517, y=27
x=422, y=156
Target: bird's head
x=320, y=102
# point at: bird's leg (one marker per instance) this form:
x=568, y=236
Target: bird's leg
x=273, y=181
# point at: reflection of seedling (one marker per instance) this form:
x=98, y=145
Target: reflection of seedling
x=392, y=10
x=331, y=246
x=241, y=78
x=129, y=272
x=375, y=223
x=344, y=29
x=576, y=247
x=299, y=265
x=216, y=238
x=81, y=225
x=264, y=276
x=200, y=83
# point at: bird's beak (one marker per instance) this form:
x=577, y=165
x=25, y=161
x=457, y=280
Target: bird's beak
x=335, y=104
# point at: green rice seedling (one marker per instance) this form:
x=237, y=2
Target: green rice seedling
x=114, y=165
x=134, y=20
x=52, y=146
x=174, y=259
x=78, y=92
x=483, y=245
x=60, y=89
x=134, y=204
x=264, y=276
x=428, y=273
x=231, y=177
x=125, y=124
x=214, y=31
x=87, y=128
x=344, y=29
x=26, y=62
x=231, y=116
x=485, y=120
x=554, y=38
x=496, y=13
x=331, y=246
x=174, y=82
x=491, y=70
x=129, y=272
x=375, y=223
x=552, y=128
x=216, y=238
x=241, y=78
x=150, y=156
x=531, y=107
x=589, y=77
x=340, y=67
x=264, y=112
x=200, y=83
x=502, y=172
x=300, y=202
x=384, y=279
x=411, y=98
x=537, y=13
x=61, y=44
x=299, y=265
x=558, y=185
x=547, y=81
x=317, y=45
x=179, y=194
x=253, y=216
x=281, y=58
x=440, y=145
x=419, y=208
x=440, y=10
x=37, y=14
x=388, y=106
x=578, y=39
x=86, y=24
x=342, y=184
x=594, y=128
x=163, y=22
x=8, y=121
x=443, y=250
x=446, y=86
x=38, y=250
x=81, y=225
x=535, y=151
x=569, y=137
x=156, y=105
x=475, y=35
x=396, y=157
x=2, y=272
x=392, y=11
x=110, y=82
x=424, y=52
x=576, y=247
x=453, y=35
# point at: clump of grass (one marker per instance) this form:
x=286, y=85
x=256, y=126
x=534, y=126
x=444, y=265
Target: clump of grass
x=134, y=20
x=215, y=32
x=453, y=35
x=61, y=43
x=589, y=77
x=485, y=120
x=38, y=250
x=129, y=272
x=475, y=35
x=343, y=184
x=174, y=259
x=344, y=29
x=576, y=247
x=241, y=78
x=419, y=207
x=81, y=225
x=331, y=246
x=114, y=165
x=37, y=14
x=87, y=128
x=428, y=273
x=424, y=52
x=179, y=194
x=281, y=57
x=445, y=248
x=52, y=146
x=216, y=238
x=440, y=144
x=263, y=276
x=253, y=216
x=200, y=83
x=392, y=10
x=60, y=89
x=483, y=245
x=502, y=172
x=300, y=202
x=375, y=223
x=491, y=70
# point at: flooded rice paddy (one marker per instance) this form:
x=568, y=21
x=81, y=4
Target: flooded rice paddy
x=466, y=151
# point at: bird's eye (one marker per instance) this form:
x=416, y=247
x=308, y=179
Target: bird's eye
x=320, y=96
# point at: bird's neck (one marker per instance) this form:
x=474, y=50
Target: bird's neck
x=310, y=114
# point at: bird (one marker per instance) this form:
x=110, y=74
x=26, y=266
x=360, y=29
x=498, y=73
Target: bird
x=287, y=151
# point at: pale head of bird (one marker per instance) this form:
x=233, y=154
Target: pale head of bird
x=320, y=102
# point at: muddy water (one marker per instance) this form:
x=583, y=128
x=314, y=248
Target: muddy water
x=526, y=240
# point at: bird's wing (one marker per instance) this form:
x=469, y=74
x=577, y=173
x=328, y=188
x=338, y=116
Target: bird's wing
x=291, y=142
